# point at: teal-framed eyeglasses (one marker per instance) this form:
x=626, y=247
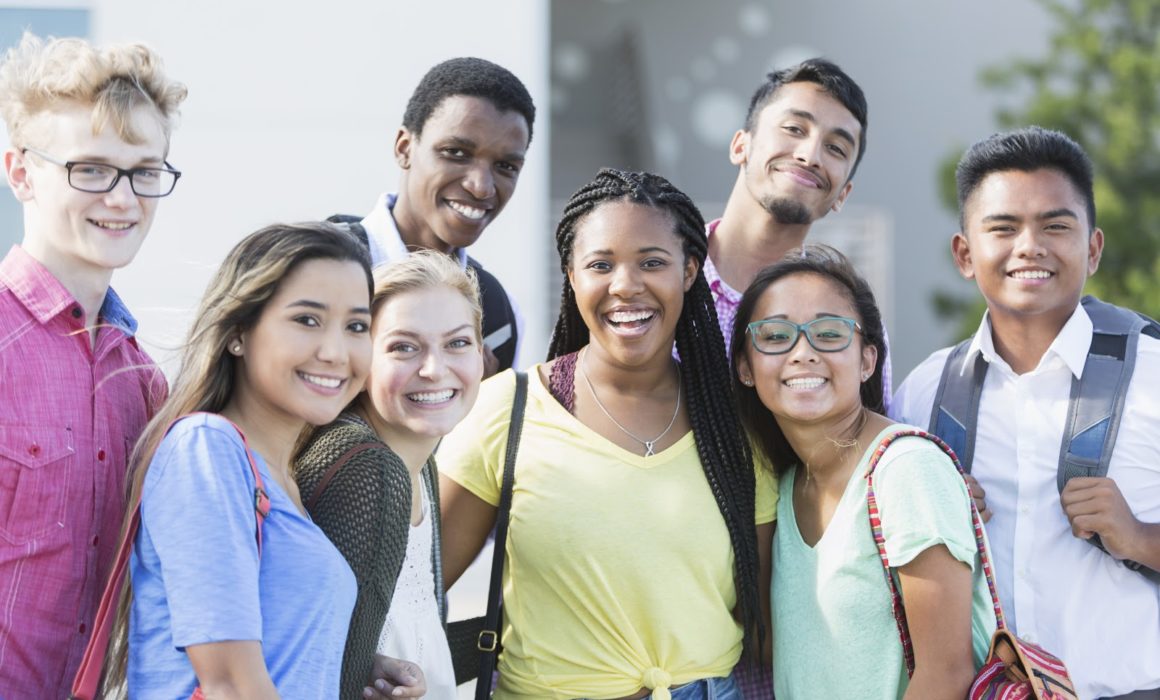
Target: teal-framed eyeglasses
x=775, y=336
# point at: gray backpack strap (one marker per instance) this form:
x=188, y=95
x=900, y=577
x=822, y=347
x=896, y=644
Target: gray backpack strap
x=955, y=413
x=1097, y=398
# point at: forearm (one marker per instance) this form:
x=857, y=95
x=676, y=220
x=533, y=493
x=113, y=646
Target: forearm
x=1145, y=546
x=931, y=682
x=232, y=671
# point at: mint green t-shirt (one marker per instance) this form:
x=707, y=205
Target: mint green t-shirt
x=834, y=632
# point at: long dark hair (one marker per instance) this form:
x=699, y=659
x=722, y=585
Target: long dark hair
x=238, y=293
x=828, y=263
x=721, y=442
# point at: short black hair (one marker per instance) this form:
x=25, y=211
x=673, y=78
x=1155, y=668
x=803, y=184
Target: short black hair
x=470, y=77
x=832, y=79
x=1028, y=149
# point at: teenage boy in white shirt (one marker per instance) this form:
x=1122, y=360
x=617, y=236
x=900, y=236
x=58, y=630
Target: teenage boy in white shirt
x=1029, y=241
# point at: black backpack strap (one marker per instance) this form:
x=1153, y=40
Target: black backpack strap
x=499, y=318
x=489, y=637
x=352, y=224
x=955, y=413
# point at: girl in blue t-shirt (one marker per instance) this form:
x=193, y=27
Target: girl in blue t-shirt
x=218, y=600
x=808, y=346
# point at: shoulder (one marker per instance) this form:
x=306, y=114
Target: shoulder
x=915, y=396
x=916, y=463
x=330, y=442
x=209, y=429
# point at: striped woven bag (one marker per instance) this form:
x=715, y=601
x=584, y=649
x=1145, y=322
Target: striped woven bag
x=1015, y=669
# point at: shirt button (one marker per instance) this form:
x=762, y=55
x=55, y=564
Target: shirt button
x=96, y=540
x=82, y=628
x=100, y=455
x=34, y=449
x=76, y=312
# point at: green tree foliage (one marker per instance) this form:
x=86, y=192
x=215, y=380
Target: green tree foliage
x=1100, y=84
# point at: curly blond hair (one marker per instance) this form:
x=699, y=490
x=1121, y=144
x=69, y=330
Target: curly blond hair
x=37, y=75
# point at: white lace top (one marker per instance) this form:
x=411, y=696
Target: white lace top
x=413, y=630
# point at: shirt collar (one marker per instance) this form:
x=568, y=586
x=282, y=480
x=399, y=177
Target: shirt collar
x=1070, y=345
x=383, y=232
x=717, y=284
x=45, y=297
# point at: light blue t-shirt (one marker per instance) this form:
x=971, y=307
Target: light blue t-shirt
x=197, y=576
x=833, y=626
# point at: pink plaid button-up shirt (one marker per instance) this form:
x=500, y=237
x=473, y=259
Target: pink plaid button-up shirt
x=69, y=415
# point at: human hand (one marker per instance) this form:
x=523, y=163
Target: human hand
x=490, y=362
x=395, y=678
x=1095, y=506
x=979, y=496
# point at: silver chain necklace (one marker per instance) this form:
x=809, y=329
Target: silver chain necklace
x=649, y=445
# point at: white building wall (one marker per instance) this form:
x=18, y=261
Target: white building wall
x=292, y=113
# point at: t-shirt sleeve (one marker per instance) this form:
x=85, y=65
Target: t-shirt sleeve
x=198, y=510
x=472, y=455
x=923, y=503
x=765, y=500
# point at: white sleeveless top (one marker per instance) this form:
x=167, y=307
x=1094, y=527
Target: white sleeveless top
x=413, y=630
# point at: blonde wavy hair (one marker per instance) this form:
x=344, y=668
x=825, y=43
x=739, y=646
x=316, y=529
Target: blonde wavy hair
x=38, y=75
x=426, y=269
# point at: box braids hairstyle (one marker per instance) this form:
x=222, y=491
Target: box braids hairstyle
x=721, y=442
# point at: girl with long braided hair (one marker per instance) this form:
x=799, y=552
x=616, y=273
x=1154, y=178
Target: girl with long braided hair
x=633, y=566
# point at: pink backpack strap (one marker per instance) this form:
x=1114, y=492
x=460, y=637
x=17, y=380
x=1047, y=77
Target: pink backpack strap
x=880, y=540
x=88, y=676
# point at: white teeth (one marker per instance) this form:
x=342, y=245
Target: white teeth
x=114, y=225
x=629, y=316
x=1031, y=274
x=469, y=212
x=432, y=396
x=325, y=382
x=805, y=382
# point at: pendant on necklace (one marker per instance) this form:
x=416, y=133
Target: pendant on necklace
x=648, y=448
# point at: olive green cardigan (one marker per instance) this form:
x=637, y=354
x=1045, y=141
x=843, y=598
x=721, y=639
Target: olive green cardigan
x=366, y=512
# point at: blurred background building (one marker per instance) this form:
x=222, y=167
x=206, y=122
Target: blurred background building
x=293, y=110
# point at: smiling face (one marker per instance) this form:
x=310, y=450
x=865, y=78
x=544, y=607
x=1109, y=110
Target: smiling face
x=78, y=234
x=804, y=385
x=629, y=275
x=797, y=160
x=1028, y=244
x=309, y=353
x=458, y=173
x=426, y=368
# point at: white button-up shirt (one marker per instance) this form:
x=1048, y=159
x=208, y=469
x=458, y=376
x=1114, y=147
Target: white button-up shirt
x=386, y=245
x=1059, y=591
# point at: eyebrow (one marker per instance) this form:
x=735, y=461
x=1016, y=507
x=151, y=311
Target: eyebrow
x=105, y=160
x=646, y=249
x=469, y=144
x=837, y=131
x=820, y=314
x=413, y=334
x=311, y=304
x=1050, y=214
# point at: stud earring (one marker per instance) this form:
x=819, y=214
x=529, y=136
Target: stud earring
x=236, y=347
x=747, y=381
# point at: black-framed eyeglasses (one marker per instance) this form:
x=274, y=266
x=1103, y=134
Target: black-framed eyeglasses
x=775, y=336
x=97, y=178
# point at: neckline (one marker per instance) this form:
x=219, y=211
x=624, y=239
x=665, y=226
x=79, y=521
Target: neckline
x=857, y=475
x=598, y=441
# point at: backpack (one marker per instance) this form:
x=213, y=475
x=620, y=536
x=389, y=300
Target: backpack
x=499, y=319
x=1094, y=410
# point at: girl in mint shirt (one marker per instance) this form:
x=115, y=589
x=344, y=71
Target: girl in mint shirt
x=815, y=403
